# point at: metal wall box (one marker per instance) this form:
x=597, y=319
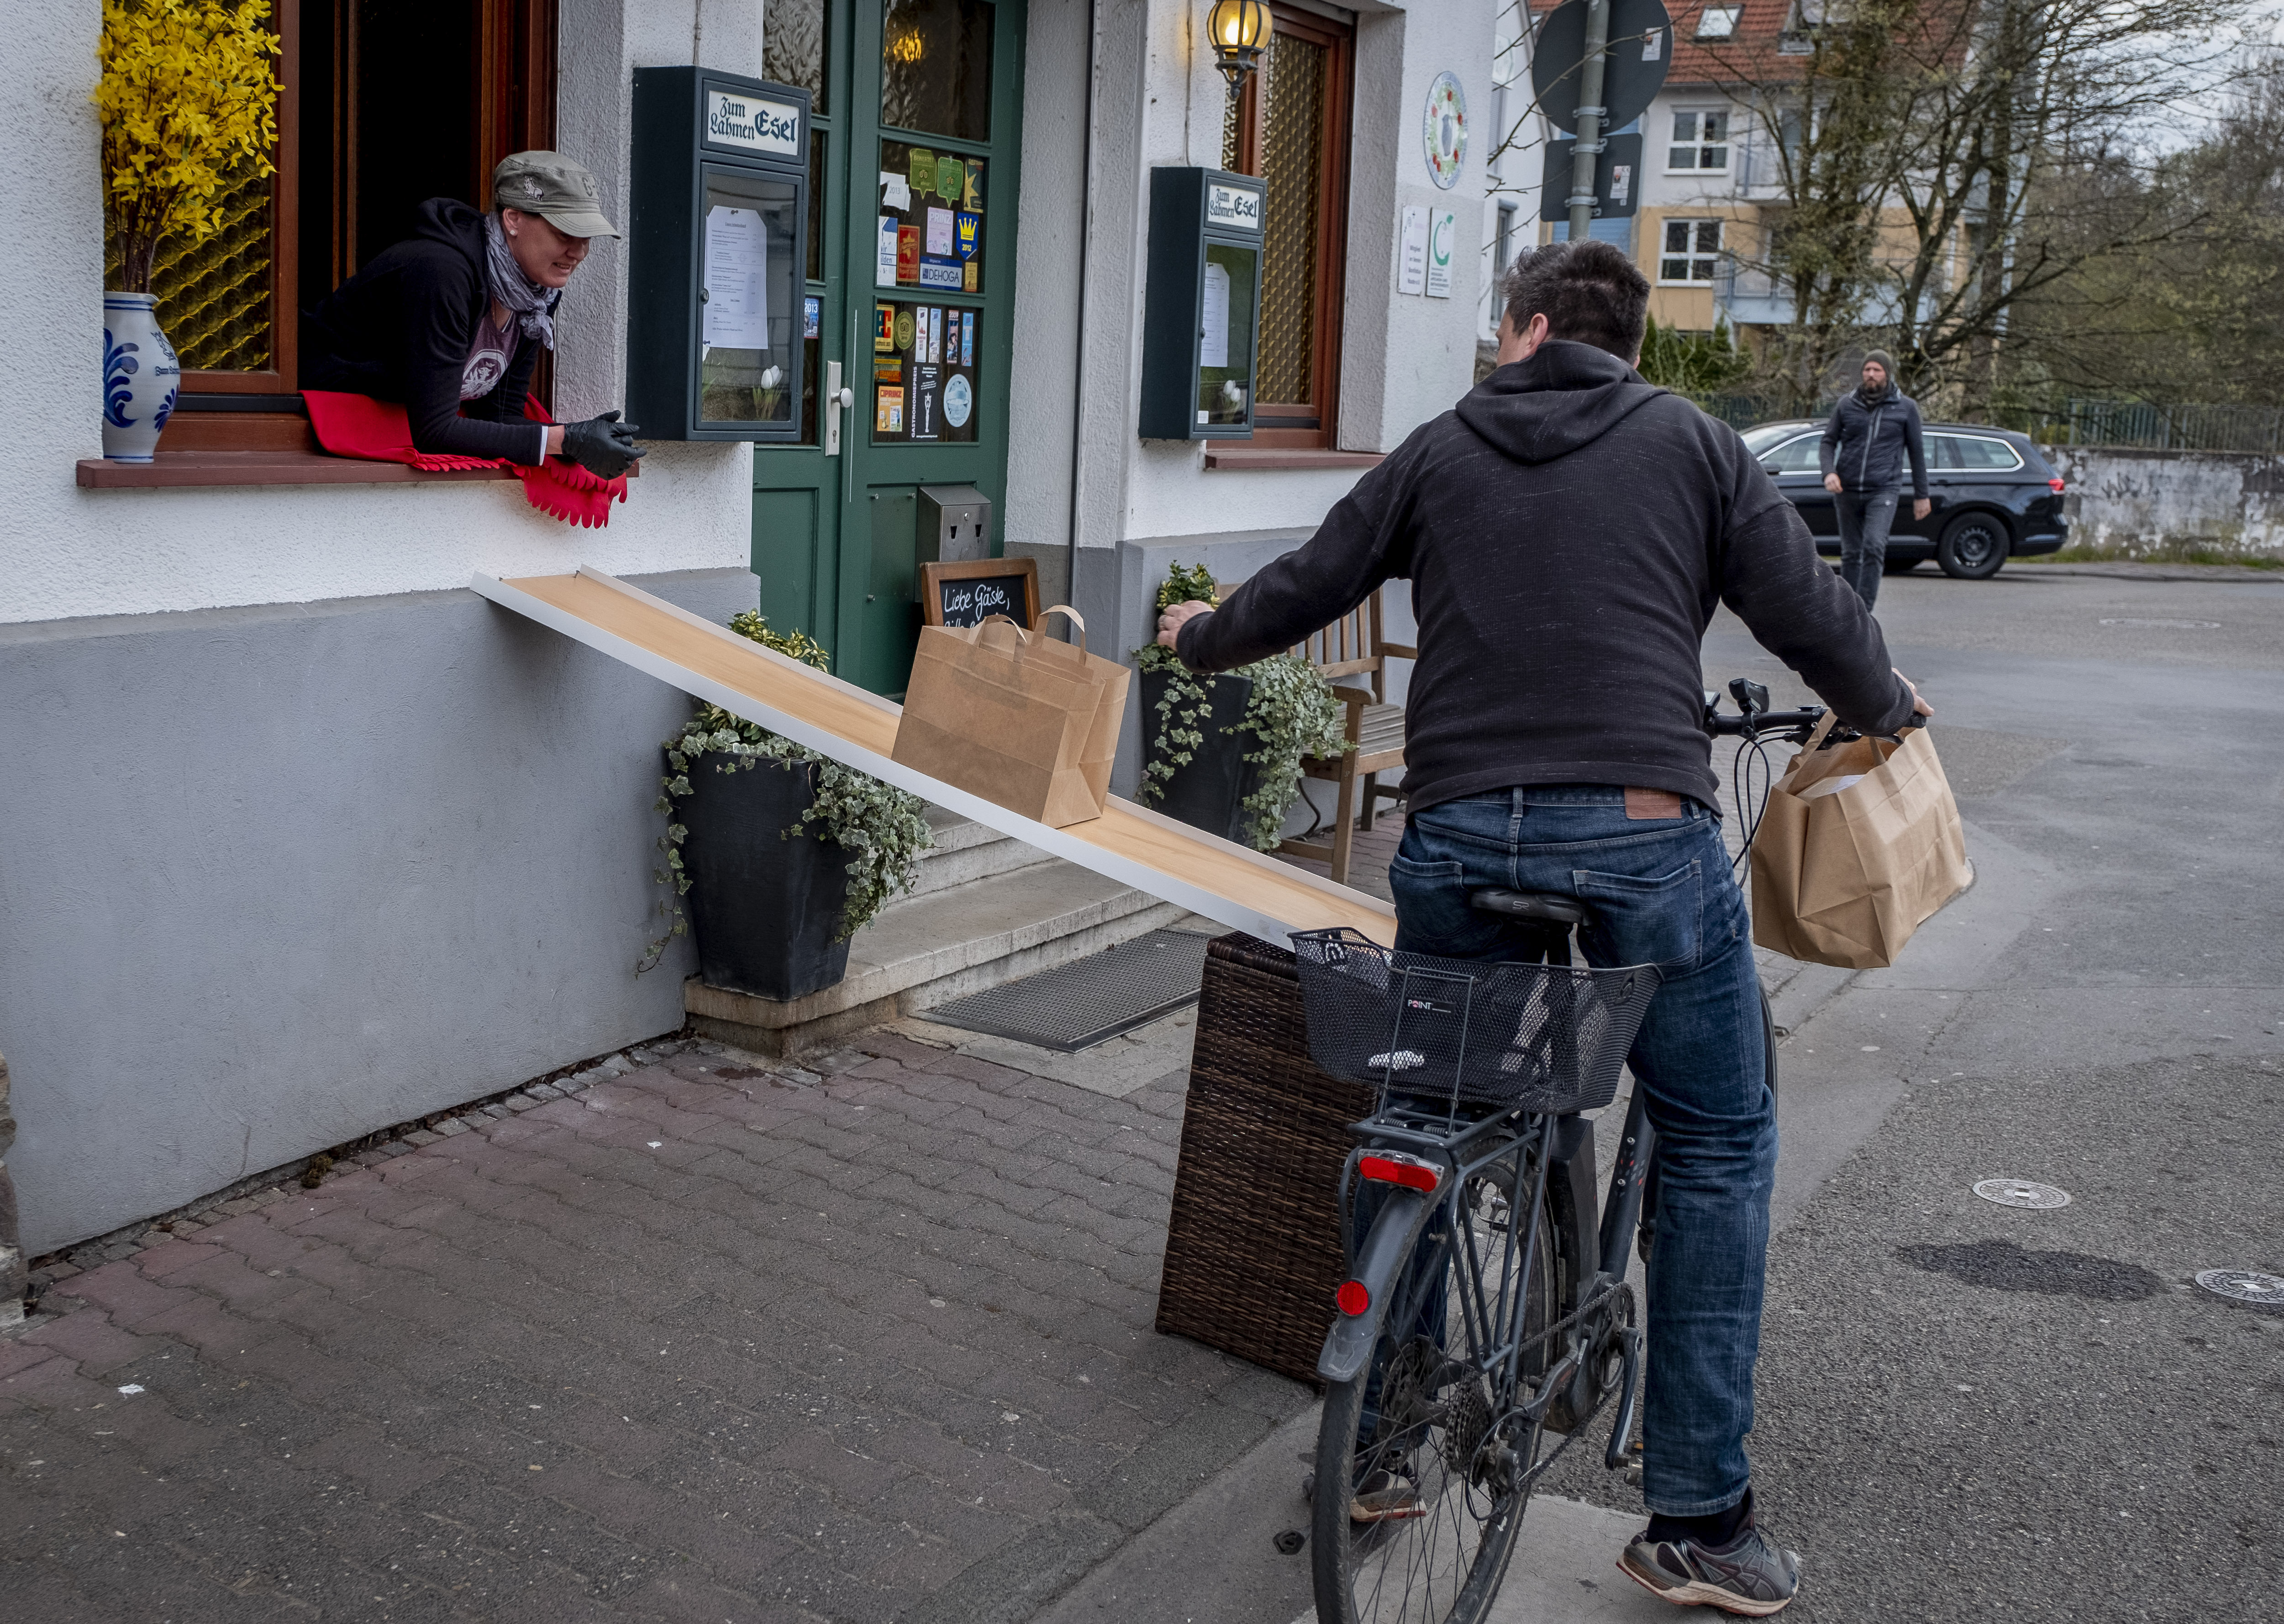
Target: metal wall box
x=954, y=524
x=1201, y=314
x=717, y=256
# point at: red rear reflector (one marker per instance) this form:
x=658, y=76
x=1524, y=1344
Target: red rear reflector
x=2055, y=484
x=1392, y=1168
x=1352, y=1299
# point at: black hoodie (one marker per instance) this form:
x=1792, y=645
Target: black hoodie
x=1568, y=531
x=400, y=329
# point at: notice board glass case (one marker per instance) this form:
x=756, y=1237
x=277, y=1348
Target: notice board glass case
x=1202, y=315
x=718, y=252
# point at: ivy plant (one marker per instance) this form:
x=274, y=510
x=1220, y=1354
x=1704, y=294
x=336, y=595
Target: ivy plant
x=1290, y=714
x=883, y=829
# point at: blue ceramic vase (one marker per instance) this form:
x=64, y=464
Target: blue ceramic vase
x=141, y=377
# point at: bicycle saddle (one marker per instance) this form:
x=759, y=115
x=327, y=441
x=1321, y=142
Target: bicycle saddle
x=1545, y=907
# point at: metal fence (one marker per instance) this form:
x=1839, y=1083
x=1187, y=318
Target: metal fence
x=2161, y=428
x=2080, y=422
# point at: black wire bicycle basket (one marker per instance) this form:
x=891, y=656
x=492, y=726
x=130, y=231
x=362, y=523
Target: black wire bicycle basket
x=1540, y=1037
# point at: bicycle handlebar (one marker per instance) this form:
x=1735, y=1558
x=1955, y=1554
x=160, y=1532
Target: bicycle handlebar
x=1754, y=720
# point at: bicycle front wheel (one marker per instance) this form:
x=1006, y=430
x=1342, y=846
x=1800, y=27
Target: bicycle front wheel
x=1424, y=1463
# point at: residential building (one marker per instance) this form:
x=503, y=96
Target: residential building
x=300, y=837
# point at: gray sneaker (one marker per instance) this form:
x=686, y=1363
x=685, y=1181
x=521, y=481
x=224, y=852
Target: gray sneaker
x=1750, y=1574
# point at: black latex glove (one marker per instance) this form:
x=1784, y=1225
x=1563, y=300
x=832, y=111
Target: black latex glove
x=603, y=446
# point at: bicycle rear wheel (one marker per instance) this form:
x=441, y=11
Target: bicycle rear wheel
x=1447, y=1462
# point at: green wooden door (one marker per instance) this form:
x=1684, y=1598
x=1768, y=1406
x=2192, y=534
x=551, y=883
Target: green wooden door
x=913, y=173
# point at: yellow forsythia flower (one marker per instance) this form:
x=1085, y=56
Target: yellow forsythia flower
x=188, y=99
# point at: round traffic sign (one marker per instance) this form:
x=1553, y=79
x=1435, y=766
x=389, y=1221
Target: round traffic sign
x=1633, y=65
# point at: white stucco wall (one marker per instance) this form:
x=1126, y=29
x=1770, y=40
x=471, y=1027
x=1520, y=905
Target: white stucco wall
x=67, y=552
x=1158, y=101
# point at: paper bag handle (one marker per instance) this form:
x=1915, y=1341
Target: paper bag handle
x=1024, y=639
x=1815, y=741
x=1072, y=615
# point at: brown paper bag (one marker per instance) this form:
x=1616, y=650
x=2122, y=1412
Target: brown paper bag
x=1025, y=721
x=1843, y=874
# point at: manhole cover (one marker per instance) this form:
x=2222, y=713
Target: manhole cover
x=2175, y=625
x=2022, y=1192
x=2244, y=1285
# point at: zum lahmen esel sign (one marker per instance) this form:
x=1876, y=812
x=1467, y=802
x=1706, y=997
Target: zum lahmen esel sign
x=750, y=122
x=1233, y=207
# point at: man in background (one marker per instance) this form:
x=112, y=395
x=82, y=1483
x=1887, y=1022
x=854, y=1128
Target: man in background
x=1873, y=428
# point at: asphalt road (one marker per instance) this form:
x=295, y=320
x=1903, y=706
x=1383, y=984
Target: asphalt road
x=1967, y=1411
x=1972, y=1411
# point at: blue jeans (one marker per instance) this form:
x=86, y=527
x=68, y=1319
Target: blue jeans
x=1662, y=892
x=1866, y=517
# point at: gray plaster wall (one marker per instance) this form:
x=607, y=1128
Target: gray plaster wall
x=2157, y=505
x=272, y=878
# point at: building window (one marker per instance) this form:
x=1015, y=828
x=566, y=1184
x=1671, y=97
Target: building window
x=1700, y=142
x=1718, y=22
x=1290, y=127
x=1503, y=246
x=1692, y=251
x=382, y=105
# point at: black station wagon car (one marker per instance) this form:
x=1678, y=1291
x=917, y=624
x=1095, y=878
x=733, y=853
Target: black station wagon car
x=1991, y=496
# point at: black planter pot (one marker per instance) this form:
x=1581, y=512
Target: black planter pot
x=765, y=909
x=1210, y=791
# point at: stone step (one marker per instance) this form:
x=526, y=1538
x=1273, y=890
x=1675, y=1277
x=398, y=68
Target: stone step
x=966, y=850
x=926, y=949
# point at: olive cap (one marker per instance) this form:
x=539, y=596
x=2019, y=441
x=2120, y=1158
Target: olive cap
x=550, y=185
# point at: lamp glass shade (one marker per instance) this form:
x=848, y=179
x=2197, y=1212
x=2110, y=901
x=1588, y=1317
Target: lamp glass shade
x=1238, y=26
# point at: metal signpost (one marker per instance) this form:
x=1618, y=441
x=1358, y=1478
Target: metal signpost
x=1597, y=64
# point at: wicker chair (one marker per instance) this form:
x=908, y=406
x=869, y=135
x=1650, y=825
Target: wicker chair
x=1354, y=645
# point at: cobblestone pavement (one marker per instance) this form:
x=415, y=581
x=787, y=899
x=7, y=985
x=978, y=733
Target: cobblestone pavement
x=710, y=1340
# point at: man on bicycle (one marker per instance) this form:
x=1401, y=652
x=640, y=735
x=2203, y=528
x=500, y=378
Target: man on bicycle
x=1568, y=530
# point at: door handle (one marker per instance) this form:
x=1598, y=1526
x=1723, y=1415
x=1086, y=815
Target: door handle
x=836, y=401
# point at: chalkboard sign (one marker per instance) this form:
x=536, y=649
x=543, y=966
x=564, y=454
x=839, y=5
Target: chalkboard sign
x=968, y=592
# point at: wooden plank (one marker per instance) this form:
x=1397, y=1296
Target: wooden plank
x=1245, y=890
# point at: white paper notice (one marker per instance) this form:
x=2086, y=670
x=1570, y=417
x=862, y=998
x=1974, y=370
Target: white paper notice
x=884, y=266
x=737, y=278
x=1411, y=257
x=939, y=233
x=1443, y=238
x=896, y=192
x=1213, y=348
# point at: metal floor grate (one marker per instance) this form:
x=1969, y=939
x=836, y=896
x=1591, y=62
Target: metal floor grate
x=1090, y=1000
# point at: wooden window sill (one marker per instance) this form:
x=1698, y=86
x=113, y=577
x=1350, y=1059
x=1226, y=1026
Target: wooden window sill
x=1289, y=457
x=186, y=468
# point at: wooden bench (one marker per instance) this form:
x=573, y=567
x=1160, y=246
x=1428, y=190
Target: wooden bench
x=1354, y=645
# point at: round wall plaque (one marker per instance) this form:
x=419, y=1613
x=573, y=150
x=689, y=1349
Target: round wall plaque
x=1446, y=130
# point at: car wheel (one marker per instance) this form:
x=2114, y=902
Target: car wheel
x=1972, y=547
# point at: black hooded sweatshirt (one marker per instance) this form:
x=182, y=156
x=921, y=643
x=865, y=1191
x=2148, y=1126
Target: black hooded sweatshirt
x=1568, y=531
x=400, y=329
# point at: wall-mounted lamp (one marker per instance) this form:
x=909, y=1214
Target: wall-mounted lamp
x=1239, y=30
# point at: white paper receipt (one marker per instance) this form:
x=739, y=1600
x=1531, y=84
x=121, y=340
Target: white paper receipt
x=1831, y=786
x=1213, y=348
x=737, y=280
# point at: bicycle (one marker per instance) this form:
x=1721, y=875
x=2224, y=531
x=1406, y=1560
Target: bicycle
x=1486, y=1318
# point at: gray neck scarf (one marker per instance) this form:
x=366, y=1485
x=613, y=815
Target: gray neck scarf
x=505, y=281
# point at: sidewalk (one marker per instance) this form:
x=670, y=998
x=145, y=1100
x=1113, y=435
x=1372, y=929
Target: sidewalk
x=709, y=1341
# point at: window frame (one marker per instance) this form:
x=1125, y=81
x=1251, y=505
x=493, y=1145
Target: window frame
x=1691, y=254
x=1339, y=40
x=1734, y=12
x=1770, y=456
x=1955, y=437
x=262, y=410
x=1698, y=145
